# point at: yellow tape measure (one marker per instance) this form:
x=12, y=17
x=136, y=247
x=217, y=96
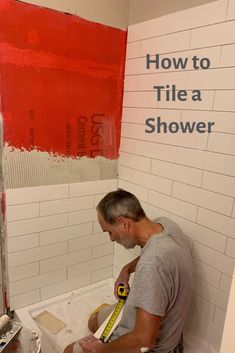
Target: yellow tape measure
x=122, y=295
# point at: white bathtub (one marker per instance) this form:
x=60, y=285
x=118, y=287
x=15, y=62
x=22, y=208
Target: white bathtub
x=72, y=308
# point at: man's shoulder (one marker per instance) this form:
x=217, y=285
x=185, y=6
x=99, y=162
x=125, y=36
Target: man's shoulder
x=168, y=224
x=170, y=242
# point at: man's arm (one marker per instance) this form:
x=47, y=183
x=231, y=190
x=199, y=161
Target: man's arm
x=124, y=275
x=130, y=267
x=144, y=335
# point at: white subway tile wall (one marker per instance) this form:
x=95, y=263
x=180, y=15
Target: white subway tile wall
x=55, y=243
x=187, y=177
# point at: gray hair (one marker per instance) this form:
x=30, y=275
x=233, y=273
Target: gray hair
x=120, y=203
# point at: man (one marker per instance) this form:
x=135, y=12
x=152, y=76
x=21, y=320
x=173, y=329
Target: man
x=159, y=297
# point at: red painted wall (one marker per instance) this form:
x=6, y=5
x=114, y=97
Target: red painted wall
x=61, y=81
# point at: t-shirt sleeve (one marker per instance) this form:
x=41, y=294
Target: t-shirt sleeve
x=151, y=289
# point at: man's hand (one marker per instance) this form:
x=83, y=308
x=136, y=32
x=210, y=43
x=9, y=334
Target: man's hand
x=90, y=344
x=123, y=278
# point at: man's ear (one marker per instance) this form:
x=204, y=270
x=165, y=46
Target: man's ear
x=124, y=222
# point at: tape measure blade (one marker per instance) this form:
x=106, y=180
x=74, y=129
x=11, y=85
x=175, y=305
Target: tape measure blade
x=112, y=320
x=100, y=330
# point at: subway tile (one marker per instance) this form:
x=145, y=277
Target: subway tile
x=224, y=100
x=19, y=212
x=177, y=172
x=190, y=244
x=146, y=180
x=137, y=66
x=224, y=121
x=165, y=44
x=123, y=253
x=126, y=145
x=35, y=194
x=102, y=250
x=216, y=221
x=202, y=234
x=119, y=263
x=21, y=300
x=154, y=150
x=191, y=140
x=140, y=192
x=62, y=261
x=148, y=100
x=135, y=131
x=217, y=34
x=89, y=266
x=227, y=57
x=133, y=50
x=134, y=161
x=170, y=204
x=87, y=242
x=148, y=149
x=208, y=199
x=142, y=30
x=131, y=83
x=197, y=322
x=65, y=233
x=225, y=283
x=36, y=254
x=222, y=143
x=216, y=333
x=214, y=259
x=66, y=205
x=23, y=242
x=139, y=115
x=101, y=274
x=219, y=317
x=219, y=183
x=139, y=100
x=24, y=271
x=33, y=225
x=35, y=282
x=92, y=187
x=196, y=16
x=97, y=228
x=206, y=273
x=218, y=78
x=210, y=161
x=231, y=10
x=65, y=286
x=98, y=198
x=153, y=212
x=146, y=82
x=230, y=249
x=210, y=293
x=82, y=216
x=136, y=251
x=203, y=306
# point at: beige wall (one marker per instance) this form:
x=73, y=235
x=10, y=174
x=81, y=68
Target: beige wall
x=228, y=336
x=109, y=12
x=142, y=10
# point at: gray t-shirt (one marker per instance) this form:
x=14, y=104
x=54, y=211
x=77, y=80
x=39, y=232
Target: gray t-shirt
x=162, y=285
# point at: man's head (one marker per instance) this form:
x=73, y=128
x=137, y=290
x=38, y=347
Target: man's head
x=118, y=212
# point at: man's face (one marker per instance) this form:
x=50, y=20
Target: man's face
x=119, y=232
